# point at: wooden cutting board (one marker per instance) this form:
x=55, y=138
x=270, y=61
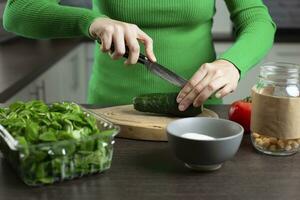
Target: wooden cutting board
x=141, y=126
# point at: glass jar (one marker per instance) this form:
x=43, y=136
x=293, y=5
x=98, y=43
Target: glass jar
x=277, y=81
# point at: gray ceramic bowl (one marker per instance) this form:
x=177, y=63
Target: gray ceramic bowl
x=204, y=154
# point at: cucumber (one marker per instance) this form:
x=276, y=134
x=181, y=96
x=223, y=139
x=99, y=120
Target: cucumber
x=163, y=103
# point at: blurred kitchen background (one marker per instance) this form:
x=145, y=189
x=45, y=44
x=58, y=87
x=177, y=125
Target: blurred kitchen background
x=55, y=70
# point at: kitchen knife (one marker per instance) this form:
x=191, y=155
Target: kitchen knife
x=157, y=69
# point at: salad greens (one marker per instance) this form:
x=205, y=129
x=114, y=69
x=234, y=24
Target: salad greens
x=55, y=142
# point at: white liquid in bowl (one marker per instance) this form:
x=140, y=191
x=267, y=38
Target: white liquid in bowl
x=197, y=136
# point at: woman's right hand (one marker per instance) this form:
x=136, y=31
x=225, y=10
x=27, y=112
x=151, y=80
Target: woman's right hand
x=120, y=33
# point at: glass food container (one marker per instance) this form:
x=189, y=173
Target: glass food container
x=46, y=163
x=279, y=88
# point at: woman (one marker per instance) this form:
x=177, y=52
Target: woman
x=179, y=32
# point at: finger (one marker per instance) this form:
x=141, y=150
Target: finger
x=106, y=40
x=185, y=90
x=198, y=76
x=134, y=49
x=189, y=98
x=205, y=69
x=148, y=43
x=119, y=44
x=225, y=90
x=212, y=87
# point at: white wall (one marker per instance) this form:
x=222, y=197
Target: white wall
x=222, y=23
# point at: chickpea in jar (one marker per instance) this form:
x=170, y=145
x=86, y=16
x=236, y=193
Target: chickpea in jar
x=275, y=144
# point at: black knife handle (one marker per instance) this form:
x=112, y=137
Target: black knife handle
x=142, y=58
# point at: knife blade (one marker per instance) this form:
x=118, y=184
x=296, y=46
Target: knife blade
x=156, y=69
x=165, y=74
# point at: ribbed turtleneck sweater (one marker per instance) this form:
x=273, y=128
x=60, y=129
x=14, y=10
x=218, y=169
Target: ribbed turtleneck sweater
x=181, y=31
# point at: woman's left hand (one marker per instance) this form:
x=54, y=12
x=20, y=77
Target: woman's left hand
x=219, y=76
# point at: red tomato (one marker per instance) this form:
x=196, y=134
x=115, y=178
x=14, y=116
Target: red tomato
x=240, y=112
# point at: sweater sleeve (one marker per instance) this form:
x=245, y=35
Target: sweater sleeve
x=254, y=31
x=44, y=19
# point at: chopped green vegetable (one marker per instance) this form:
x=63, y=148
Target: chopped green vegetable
x=48, y=136
x=56, y=142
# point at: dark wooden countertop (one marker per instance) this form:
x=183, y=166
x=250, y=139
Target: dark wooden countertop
x=148, y=170
x=23, y=60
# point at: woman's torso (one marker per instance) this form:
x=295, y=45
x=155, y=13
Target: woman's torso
x=181, y=31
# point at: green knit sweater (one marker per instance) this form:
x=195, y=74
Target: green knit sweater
x=181, y=31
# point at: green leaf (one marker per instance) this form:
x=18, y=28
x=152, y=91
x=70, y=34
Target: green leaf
x=63, y=148
x=41, y=171
x=55, y=125
x=94, y=158
x=47, y=180
x=14, y=107
x=64, y=135
x=32, y=131
x=107, y=133
x=76, y=134
x=48, y=137
x=38, y=155
x=87, y=145
x=73, y=117
x=24, y=145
